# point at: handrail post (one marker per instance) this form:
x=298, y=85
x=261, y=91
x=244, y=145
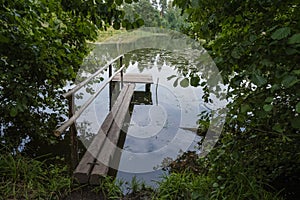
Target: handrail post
x=109, y=70
x=73, y=134
x=111, y=86
x=121, y=79
x=121, y=58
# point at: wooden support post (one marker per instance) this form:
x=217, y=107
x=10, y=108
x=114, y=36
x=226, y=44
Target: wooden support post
x=121, y=58
x=110, y=70
x=121, y=61
x=147, y=87
x=111, y=87
x=121, y=79
x=73, y=134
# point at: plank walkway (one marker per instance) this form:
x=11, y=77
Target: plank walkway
x=134, y=78
x=98, y=157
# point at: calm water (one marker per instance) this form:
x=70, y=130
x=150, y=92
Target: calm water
x=162, y=123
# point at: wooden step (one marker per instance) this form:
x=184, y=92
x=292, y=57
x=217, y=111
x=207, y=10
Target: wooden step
x=134, y=78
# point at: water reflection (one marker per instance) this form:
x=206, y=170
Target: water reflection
x=164, y=121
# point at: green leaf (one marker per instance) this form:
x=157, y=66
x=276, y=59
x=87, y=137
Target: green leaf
x=268, y=107
x=119, y=2
x=218, y=60
x=266, y=62
x=275, y=87
x=215, y=185
x=238, y=18
x=195, y=81
x=252, y=38
x=278, y=128
x=281, y=33
x=269, y=99
x=125, y=22
x=196, y=195
x=289, y=81
x=129, y=26
x=184, y=82
x=296, y=71
x=298, y=107
x=296, y=122
x=135, y=25
x=291, y=51
x=3, y=39
x=175, y=82
x=170, y=77
x=286, y=138
x=258, y=80
x=13, y=112
x=245, y=108
x=140, y=22
x=203, y=84
x=236, y=53
x=116, y=25
x=294, y=39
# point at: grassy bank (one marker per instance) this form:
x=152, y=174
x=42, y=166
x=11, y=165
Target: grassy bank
x=105, y=35
x=25, y=178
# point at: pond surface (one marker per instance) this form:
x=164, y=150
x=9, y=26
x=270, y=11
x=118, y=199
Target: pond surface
x=162, y=123
x=155, y=131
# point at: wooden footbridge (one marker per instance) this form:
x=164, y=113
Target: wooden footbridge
x=103, y=148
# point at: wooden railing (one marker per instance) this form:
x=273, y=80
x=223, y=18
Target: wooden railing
x=73, y=115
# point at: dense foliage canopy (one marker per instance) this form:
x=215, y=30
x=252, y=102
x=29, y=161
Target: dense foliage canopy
x=42, y=44
x=256, y=46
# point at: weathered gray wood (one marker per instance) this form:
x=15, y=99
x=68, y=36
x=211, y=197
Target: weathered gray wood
x=83, y=83
x=134, y=78
x=106, y=154
x=87, y=162
x=84, y=167
x=71, y=120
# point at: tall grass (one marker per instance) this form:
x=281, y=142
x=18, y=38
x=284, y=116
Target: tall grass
x=25, y=178
x=203, y=187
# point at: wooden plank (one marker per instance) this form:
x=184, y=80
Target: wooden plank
x=84, y=167
x=83, y=83
x=110, y=145
x=134, y=78
x=77, y=114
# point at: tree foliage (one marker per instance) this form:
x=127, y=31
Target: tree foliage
x=43, y=43
x=155, y=14
x=256, y=46
x=145, y=10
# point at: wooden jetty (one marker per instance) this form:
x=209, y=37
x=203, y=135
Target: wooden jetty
x=99, y=156
x=135, y=78
x=96, y=160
